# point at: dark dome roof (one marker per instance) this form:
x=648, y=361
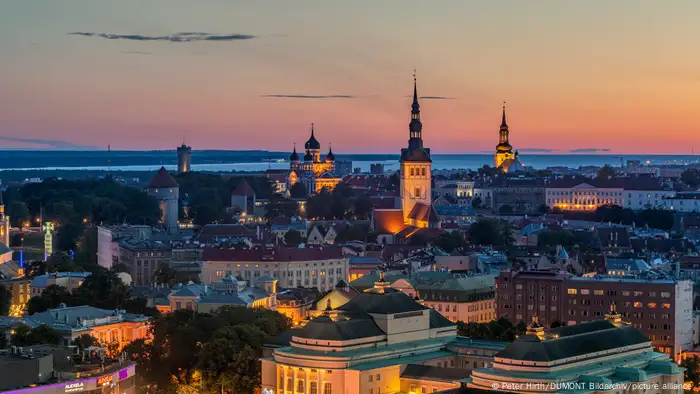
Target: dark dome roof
x=330, y=156
x=312, y=143
x=308, y=156
x=505, y=147
x=294, y=156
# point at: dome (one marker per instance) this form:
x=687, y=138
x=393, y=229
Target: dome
x=312, y=143
x=294, y=156
x=504, y=147
x=330, y=156
x=308, y=156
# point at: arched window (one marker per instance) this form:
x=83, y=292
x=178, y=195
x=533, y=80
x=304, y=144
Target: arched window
x=423, y=171
x=412, y=172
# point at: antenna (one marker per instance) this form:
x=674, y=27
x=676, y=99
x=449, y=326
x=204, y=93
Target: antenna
x=109, y=161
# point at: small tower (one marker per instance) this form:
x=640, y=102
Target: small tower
x=294, y=159
x=313, y=146
x=330, y=157
x=613, y=316
x=164, y=188
x=4, y=222
x=184, y=158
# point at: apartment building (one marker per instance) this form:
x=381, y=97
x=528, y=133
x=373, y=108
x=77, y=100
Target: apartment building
x=318, y=267
x=660, y=308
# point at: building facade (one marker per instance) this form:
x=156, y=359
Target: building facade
x=319, y=268
x=314, y=172
x=661, y=309
x=143, y=258
x=381, y=341
x=603, y=356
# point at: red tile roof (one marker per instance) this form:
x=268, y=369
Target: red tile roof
x=162, y=180
x=272, y=254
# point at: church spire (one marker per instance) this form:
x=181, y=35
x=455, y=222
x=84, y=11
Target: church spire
x=415, y=107
x=503, y=119
x=415, y=128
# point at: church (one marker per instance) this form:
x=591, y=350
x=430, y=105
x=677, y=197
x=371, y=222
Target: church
x=504, y=158
x=416, y=214
x=314, y=172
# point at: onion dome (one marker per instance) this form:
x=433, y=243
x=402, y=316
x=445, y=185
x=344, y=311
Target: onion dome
x=312, y=143
x=330, y=156
x=308, y=156
x=294, y=156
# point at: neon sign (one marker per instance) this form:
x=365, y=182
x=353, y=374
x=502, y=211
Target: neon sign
x=104, y=380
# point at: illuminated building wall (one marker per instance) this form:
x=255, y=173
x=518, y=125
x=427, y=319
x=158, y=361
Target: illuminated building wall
x=583, y=198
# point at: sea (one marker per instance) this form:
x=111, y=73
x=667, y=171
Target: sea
x=258, y=161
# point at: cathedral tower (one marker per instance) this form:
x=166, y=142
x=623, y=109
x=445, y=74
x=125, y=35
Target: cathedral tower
x=503, y=150
x=4, y=223
x=415, y=163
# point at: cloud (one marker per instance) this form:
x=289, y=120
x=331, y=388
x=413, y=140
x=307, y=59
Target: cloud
x=177, y=37
x=58, y=144
x=538, y=150
x=589, y=150
x=309, y=96
x=435, y=97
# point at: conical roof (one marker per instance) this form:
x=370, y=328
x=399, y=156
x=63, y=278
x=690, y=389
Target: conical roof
x=162, y=180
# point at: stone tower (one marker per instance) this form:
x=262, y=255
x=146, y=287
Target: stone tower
x=504, y=151
x=164, y=188
x=4, y=223
x=415, y=163
x=184, y=158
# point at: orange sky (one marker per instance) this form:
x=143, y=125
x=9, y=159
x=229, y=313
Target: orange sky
x=620, y=75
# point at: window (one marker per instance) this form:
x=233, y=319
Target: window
x=571, y=291
x=598, y=292
x=585, y=291
x=652, y=294
x=327, y=388
x=637, y=304
x=300, y=386
x=651, y=305
x=370, y=378
x=313, y=389
x=378, y=377
x=518, y=286
x=626, y=293
x=665, y=294
x=422, y=171
x=413, y=172
x=289, y=384
x=666, y=306
x=417, y=195
x=424, y=390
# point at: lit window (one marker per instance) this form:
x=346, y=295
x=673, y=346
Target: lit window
x=327, y=388
x=598, y=292
x=585, y=291
x=571, y=291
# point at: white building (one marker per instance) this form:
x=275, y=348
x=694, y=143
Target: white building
x=577, y=194
x=683, y=202
x=166, y=190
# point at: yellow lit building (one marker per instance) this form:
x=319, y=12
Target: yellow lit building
x=504, y=158
x=315, y=173
x=381, y=341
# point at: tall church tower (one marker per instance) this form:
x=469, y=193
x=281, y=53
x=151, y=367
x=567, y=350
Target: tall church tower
x=4, y=223
x=415, y=163
x=503, y=150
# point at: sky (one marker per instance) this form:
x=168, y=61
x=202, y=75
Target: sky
x=621, y=75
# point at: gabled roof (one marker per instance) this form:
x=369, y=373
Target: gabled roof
x=243, y=189
x=162, y=180
x=424, y=212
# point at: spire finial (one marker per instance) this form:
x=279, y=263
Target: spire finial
x=295, y=147
x=503, y=118
x=415, y=107
x=312, y=129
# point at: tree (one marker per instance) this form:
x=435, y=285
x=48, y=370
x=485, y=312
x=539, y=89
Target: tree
x=18, y=213
x=606, y=172
x=279, y=206
x=5, y=300
x=298, y=190
x=505, y=209
x=500, y=330
x=84, y=341
x=50, y=298
x=487, y=231
x=556, y=237
x=26, y=336
x=68, y=235
x=293, y=238
x=61, y=262
x=450, y=240
x=691, y=177
x=692, y=370
x=557, y=324
x=476, y=202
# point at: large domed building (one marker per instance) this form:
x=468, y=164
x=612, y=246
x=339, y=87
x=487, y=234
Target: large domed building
x=314, y=172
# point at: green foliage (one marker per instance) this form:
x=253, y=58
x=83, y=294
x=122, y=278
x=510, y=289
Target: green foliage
x=691, y=177
x=487, y=231
x=606, y=172
x=654, y=218
x=505, y=209
x=26, y=336
x=293, y=238
x=692, y=370
x=224, y=348
x=298, y=190
x=5, y=301
x=279, y=206
x=500, y=330
x=476, y=202
x=18, y=213
x=85, y=341
x=556, y=237
x=51, y=297
x=341, y=203
x=450, y=240
x=357, y=232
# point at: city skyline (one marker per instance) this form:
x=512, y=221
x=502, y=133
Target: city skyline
x=255, y=76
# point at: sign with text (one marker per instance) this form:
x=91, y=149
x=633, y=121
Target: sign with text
x=104, y=380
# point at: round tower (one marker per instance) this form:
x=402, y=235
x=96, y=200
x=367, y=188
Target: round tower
x=184, y=158
x=164, y=188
